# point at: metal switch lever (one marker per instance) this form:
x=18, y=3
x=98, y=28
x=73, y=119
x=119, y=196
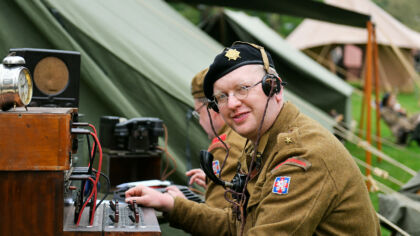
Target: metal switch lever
x=132, y=218
x=112, y=218
x=133, y=207
x=117, y=211
x=112, y=205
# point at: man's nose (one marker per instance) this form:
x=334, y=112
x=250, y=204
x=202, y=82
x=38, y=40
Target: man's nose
x=233, y=101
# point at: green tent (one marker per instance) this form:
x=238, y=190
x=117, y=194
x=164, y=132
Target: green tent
x=138, y=59
x=313, y=9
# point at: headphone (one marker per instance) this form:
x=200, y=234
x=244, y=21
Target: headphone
x=268, y=81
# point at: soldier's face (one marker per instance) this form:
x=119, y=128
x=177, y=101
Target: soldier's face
x=245, y=114
x=201, y=109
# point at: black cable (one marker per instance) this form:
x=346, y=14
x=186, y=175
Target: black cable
x=220, y=139
x=107, y=190
x=187, y=141
x=91, y=189
x=251, y=165
x=89, y=169
x=90, y=157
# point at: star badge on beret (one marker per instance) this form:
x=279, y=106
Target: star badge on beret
x=232, y=54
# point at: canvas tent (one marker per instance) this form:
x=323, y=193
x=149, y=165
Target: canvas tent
x=130, y=67
x=319, y=39
x=403, y=207
x=302, y=8
x=304, y=77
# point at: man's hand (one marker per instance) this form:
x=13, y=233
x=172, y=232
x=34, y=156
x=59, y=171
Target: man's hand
x=197, y=176
x=149, y=197
x=175, y=192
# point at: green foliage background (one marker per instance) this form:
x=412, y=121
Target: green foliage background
x=406, y=11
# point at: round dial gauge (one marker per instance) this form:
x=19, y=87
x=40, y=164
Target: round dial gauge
x=25, y=86
x=15, y=83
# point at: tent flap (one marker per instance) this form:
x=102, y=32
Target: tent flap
x=300, y=8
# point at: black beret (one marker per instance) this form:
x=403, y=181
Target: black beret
x=239, y=54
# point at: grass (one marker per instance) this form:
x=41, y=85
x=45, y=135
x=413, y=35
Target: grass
x=408, y=155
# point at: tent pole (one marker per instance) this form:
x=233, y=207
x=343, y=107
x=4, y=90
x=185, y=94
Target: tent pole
x=325, y=62
x=378, y=108
x=362, y=112
x=368, y=92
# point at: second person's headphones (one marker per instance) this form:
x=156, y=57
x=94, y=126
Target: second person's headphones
x=268, y=81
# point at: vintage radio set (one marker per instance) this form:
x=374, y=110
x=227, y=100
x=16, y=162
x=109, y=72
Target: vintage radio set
x=135, y=135
x=55, y=75
x=131, y=151
x=43, y=192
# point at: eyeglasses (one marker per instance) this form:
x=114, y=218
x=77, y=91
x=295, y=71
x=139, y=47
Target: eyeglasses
x=241, y=92
x=196, y=113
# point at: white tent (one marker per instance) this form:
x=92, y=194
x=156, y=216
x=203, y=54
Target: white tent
x=396, y=42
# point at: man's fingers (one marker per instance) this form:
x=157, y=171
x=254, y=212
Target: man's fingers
x=201, y=183
x=192, y=172
x=135, y=191
x=171, y=187
x=131, y=199
x=174, y=192
x=198, y=179
x=192, y=180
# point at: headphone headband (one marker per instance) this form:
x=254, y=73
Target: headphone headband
x=270, y=83
x=262, y=51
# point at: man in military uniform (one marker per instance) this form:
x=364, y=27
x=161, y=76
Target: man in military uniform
x=300, y=178
x=214, y=193
x=396, y=118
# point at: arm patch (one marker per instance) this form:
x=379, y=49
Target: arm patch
x=295, y=161
x=217, y=144
x=216, y=140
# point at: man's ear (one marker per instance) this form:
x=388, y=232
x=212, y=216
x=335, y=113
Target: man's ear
x=279, y=96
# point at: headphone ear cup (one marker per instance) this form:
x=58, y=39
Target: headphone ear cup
x=267, y=82
x=213, y=105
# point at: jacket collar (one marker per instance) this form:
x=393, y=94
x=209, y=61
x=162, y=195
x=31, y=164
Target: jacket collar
x=281, y=125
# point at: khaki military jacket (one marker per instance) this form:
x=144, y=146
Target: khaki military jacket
x=215, y=193
x=308, y=185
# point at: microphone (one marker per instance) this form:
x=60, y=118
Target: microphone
x=206, y=162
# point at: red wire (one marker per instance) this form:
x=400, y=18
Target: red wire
x=93, y=147
x=100, y=156
x=94, y=182
x=94, y=206
x=98, y=174
x=94, y=129
x=87, y=200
